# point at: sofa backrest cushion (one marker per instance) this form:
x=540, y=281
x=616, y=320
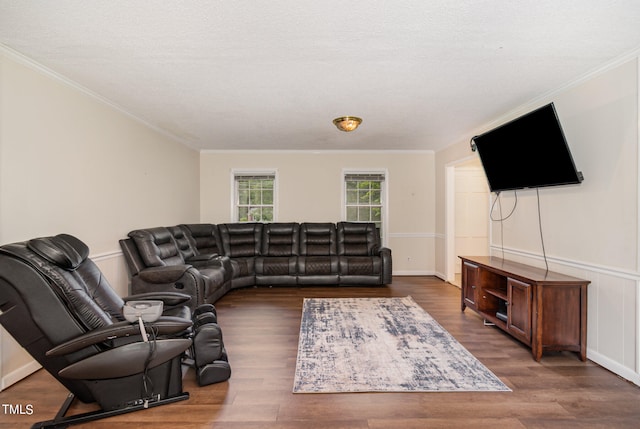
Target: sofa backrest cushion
x=357, y=239
x=157, y=247
x=318, y=239
x=280, y=239
x=205, y=238
x=183, y=242
x=241, y=240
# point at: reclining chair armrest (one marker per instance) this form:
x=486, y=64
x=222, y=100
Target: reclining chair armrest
x=164, y=274
x=163, y=326
x=169, y=299
x=129, y=359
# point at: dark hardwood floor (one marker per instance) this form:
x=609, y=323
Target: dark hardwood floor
x=260, y=327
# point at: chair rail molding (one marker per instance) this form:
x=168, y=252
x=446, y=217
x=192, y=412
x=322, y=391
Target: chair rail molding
x=613, y=309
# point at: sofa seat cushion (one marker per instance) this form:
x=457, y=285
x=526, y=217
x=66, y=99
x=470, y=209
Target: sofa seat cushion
x=360, y=265
x=317, y=265
x=215, y=274
x=276, y=266
x=318, y=270
x=242, y=267
x=214, y=278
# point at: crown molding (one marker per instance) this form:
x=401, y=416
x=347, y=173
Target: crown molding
x=632, y=55
x=37, y=67
x=318, y=152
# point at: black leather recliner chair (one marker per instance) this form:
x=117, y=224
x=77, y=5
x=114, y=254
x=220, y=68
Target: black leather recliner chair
x=241, y=243
x=55, y=302
x=157, y=261
x=318, y=248
x=360, y=254
x=278, y=260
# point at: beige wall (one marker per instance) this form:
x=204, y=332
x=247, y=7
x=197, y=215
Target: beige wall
x=310, y=190
x=71, y=163
x=590, y=230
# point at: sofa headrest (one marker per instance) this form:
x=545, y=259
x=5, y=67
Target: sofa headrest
x=157, y=247
x=64, y=250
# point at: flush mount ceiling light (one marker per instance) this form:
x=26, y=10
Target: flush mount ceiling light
x=347, y=123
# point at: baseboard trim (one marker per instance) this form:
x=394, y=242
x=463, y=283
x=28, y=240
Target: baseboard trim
x=20, y=373
x=613, y=366
x=411, y=235
x=413, y=273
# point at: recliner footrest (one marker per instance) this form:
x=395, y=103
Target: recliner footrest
x=210, y=356
x=205, y=308
x=213, y=373
x=205, y=313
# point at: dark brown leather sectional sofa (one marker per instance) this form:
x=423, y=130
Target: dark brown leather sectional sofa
x=207, y=260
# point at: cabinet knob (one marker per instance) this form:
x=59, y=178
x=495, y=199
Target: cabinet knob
x=473, y=287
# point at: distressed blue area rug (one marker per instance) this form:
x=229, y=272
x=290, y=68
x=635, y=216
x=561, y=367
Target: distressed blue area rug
x=382, y=345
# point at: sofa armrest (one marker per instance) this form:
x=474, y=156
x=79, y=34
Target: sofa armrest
x=387, y=265
x=384, y=250
x=209, y=260
x=184, y=279
x=164, y=274
x=163, y=326
x=203, y=257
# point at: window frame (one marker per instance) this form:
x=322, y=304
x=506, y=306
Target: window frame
x=384, y=197
x=239, y=173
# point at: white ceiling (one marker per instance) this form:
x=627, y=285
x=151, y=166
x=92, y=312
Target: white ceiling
x=248, y=74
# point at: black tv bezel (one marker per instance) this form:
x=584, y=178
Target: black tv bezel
x=561, y=137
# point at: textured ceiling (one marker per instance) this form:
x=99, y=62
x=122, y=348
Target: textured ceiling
x=272, y=75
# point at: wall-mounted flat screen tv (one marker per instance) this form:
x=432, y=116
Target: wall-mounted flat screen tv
x=528, y=152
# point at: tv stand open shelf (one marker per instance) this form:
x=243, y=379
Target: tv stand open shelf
x=543, y=309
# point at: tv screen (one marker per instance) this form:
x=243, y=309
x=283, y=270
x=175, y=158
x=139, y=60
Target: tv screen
x=528, y=152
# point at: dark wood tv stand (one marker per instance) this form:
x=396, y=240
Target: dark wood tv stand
x=542, y=309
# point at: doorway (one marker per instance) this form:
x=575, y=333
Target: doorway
x=467, y=214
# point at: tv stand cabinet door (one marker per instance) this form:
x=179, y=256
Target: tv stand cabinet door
x=470, y=278
x=519, y=310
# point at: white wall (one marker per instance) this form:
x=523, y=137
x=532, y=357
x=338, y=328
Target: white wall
x=72, y=163
x=310, y=189
x=590, y=230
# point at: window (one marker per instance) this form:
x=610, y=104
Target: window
x=364, y=197
x=254, y=197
